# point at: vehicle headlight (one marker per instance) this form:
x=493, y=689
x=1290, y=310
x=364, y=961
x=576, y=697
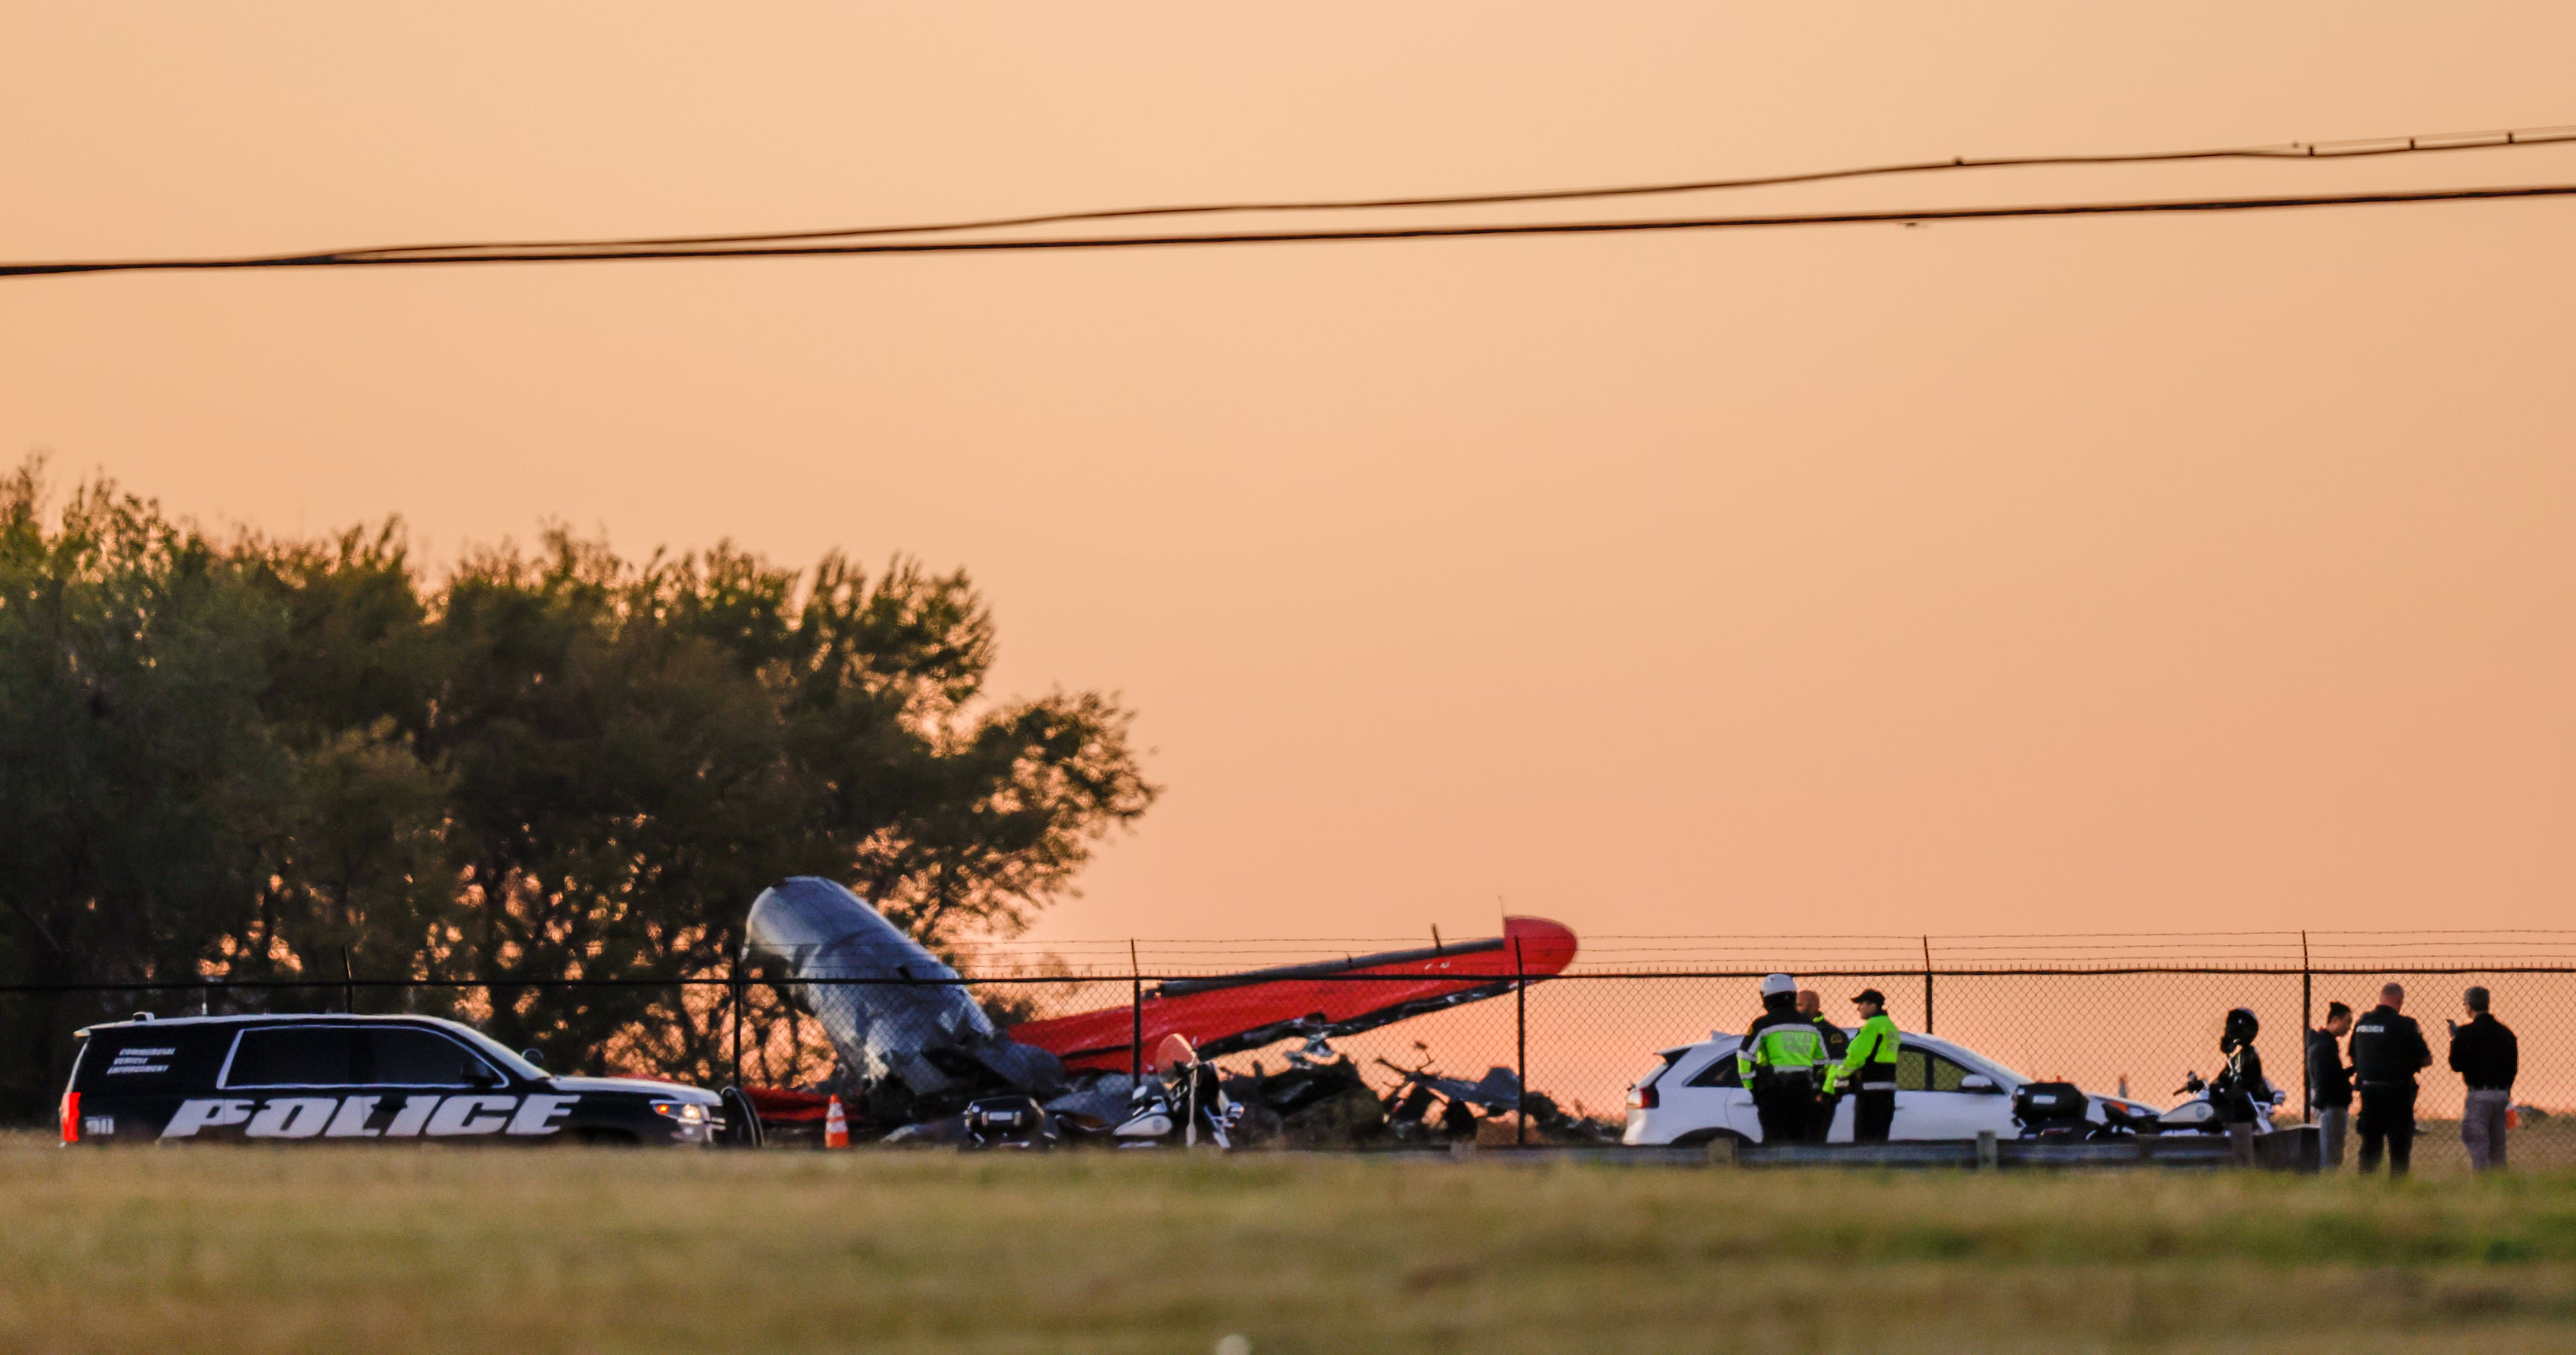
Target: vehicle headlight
x=686, y=1112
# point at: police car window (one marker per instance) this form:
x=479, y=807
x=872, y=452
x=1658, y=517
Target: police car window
x=1913, y=1071
x=398, y=1056
x=294, y=1056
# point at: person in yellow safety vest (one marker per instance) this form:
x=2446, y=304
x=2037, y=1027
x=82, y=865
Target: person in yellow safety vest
x=1781, y=1061
x=1869, y=1069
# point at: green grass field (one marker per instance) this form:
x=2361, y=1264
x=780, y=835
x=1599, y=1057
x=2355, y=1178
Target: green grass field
x=385, y=1252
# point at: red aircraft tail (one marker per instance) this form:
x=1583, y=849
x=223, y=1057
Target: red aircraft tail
x=1339, y=997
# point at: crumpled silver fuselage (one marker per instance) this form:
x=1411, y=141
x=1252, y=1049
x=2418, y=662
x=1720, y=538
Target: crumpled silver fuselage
x=905, y=1016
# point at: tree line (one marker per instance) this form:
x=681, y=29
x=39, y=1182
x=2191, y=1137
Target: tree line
x=258, y=757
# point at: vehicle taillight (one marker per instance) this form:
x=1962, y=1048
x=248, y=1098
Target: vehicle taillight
x=1644, y=1097
x=71, y=1117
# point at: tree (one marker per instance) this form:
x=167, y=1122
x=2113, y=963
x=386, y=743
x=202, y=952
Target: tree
x=271, y=758
x=360, y=865
x=136, y=776
x=640, y=749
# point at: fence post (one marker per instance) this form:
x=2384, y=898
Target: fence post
x=2307, y=1023
x=1927, y=985
x=1520, y=1023
x=737, y=1018
x=1135, y=1016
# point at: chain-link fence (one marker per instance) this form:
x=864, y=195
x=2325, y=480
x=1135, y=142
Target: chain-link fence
x=2129, y=1031
x=1579, y=1039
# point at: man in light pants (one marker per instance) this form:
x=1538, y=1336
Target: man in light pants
x=2486, y=1056
x=2330, y=1084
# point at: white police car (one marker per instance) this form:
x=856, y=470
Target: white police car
x=1943, y=1091
x=349, y=1079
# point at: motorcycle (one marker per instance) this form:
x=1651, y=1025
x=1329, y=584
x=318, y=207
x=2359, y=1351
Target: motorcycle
x=2202, y=1114
x=1009, y=1122
x=2239, y=1093
x=1182, y=1106
x=2054, y=1111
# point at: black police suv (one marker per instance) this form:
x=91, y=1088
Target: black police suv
x=344, y=1079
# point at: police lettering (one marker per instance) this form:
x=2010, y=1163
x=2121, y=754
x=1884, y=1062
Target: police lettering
x=464, y=1115
x=196, y=1115
x=408, y=1120
x=538, y=1113
x=355, y=1117
x=140, y=1060
x=350, y=1122
x=291, y=1117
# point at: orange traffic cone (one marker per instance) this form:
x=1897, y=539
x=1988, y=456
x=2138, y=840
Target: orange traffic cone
x=836, y=1126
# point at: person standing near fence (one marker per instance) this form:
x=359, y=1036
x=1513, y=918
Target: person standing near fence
x=2330, y=1084
x=2486, y=1056
x=1870, y=1069
x=1779, y=1060
x=1811, y=1005
x=2387, y=1052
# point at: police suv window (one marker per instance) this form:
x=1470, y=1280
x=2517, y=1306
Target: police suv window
x=400, y=1056
x=1913, y=1070
x=140, y=1059
x=294, y=1056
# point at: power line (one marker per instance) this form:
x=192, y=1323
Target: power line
x=2293, y=150
x=1108, y=242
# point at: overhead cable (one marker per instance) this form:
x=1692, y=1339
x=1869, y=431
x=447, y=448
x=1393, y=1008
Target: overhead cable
x=1112, y=242
x=2515, y=138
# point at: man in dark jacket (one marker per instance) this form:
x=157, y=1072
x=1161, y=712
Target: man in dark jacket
x=2387, y=1051
x=2486, y=1056
x=2330, y=1083
x=1811, y=1005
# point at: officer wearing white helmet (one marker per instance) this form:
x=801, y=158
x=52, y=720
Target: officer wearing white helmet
x=1781, y=1059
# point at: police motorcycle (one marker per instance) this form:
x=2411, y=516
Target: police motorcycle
x=1008, y=1122
x=2056, y=1112
x=2238, y=1093
x=2205, y=1112
x=2239, y=1087
x=1182, y=1105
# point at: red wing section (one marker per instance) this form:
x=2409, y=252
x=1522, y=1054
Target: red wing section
x=1342, y=997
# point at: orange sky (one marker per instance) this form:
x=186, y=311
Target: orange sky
x=2080, y=575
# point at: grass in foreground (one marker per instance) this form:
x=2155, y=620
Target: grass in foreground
x=386, y=1252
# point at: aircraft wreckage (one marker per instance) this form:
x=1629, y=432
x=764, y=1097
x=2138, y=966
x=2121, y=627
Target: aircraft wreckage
x=920, y=1059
